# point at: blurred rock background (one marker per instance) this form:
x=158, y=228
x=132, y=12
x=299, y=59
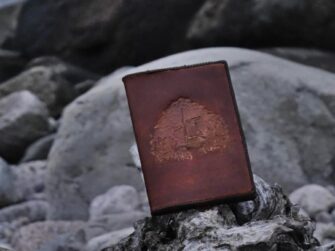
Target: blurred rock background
x=68, y=180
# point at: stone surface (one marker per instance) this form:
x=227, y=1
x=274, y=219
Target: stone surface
x=144, y=201
x=96, y=34
x=33, y=236
x=9, y=11
x=118, y=199
x=83, y=87
x=23, y=119
x=264, y=23
x=71, y=73
x=21, y=183
x=327, y=247
x=90, y=153
x=274, y=225
x=11, y=64
x=4, y=247
x=30, y=179
x=284, y=107
x=120, y=207
x=54, y=124
x=32, y=210
x=39, y=150
x=135, y=156
x=313, y=57
x=69, y=241
x=7, y=184
x=108, y=40
x=313, y=199
x=46, y=84
x=269, y=201
x=107, y=240
x=324, y=232
x=324, y=217
x=113, y=222
x=16, y=216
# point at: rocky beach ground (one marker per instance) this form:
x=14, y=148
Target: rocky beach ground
x=69, y=173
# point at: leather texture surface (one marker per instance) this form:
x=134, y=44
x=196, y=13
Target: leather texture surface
x=189, y=137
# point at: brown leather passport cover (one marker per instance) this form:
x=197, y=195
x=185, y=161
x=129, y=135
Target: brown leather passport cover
x=189, y=137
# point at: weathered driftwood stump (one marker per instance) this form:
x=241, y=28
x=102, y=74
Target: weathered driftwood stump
x=270, y=222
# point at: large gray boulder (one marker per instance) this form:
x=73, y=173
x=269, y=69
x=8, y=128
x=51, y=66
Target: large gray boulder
x=102, y=34
x=90, y=153
x=49, y=86
x=312, y=57
x=287, y=114
x=264, y=23
x=267, y=223
x=23, y=119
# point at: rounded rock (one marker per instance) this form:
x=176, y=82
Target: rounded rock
x=313, y=199
x=118, y=199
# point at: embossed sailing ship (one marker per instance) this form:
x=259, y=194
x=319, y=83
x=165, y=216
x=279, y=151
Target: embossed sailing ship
x=185, y=129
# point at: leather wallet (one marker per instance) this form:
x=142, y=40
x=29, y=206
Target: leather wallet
x=189, y=136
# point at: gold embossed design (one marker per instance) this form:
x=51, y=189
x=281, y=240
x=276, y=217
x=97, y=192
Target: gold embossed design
x=187, y=128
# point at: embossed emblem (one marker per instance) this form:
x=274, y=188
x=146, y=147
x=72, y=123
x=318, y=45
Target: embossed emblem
x=187, y=128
